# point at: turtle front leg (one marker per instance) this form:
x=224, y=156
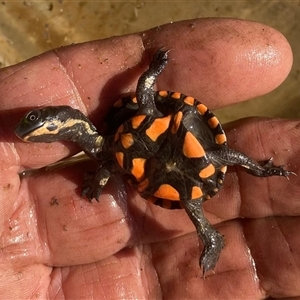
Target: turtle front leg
x=94, y=182
x=213, y=241
x=144, y=89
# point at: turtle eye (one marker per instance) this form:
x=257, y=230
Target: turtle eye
x=33, y=116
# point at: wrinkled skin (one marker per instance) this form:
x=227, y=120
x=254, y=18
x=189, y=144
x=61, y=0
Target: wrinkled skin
x=54, y=244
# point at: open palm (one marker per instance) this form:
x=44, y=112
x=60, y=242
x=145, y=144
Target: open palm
x=54, y=244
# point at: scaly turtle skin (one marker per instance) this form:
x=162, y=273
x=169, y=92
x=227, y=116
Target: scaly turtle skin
x=171, y=146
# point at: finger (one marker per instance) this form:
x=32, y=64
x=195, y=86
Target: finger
x=234, y=266
x=255, y=250
x=128, y=274
x=222, y=61
x=209, y=57
x=274, y=244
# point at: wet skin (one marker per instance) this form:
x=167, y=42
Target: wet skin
x=78, y=249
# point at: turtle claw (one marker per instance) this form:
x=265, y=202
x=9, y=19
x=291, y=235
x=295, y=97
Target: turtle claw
x=272, y=170
x=93, y=184
x=89, y=189
x=211, y=252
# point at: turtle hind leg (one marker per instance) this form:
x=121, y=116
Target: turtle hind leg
x=213, y=241
x=229, y=157
x=269, y=169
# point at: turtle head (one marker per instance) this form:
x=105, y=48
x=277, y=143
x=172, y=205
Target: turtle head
x=55, y=123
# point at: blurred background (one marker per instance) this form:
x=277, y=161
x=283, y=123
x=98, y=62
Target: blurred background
x=28, y=28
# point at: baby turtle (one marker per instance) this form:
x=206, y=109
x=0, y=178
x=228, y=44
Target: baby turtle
x=170, y=146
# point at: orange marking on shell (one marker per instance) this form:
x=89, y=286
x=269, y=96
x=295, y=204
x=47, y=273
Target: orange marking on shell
x=158, y=127
x=117, y=135
x=202, y=108
x=213, y=122
x=118, y=103
x=220, y=139
x=189, y=100
x=208, y=171
x=143, y=185
x=192, y=147
x=137, y=120
x=138, y=168
x=176, y=95
x=134, y=100
x=166, y=191
x=177, y=121
x=163, y=93
x=120, y=158
x=126, y=140
x=223, y=169
x=196, y=192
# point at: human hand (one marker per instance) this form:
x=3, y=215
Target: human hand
x=56, y=244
